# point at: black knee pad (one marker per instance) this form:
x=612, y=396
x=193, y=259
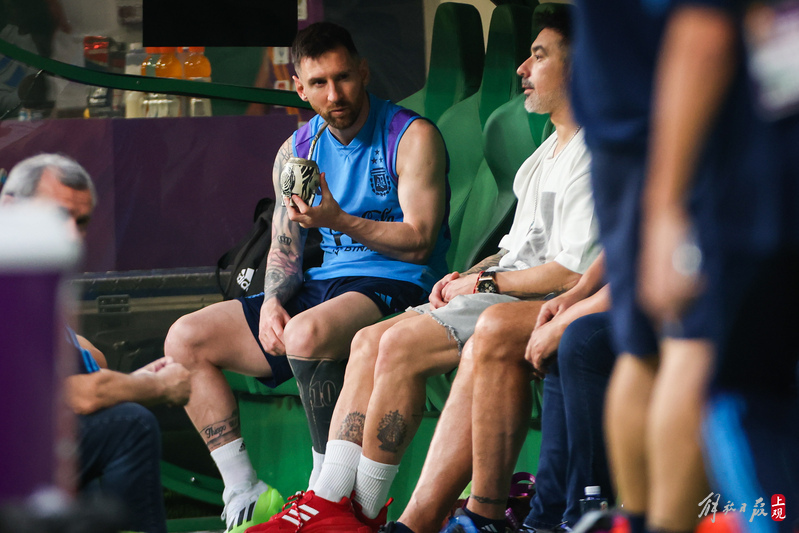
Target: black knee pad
x=319, y=382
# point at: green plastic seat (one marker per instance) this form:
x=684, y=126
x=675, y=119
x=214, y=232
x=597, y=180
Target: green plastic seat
x=462, y=124
x=456, y=61
x=510, y=135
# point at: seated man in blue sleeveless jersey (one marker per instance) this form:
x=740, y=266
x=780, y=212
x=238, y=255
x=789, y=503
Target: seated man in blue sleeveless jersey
x=552, y=241
x=119, y=441
x=382, y=213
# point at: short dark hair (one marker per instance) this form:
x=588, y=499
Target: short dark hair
x=318, y=38
x=557, y=17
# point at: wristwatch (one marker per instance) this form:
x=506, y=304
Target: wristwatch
x=487, y=282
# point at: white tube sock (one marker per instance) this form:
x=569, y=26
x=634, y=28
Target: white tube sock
x=234, y=464
x=337, y=476
x=318, y=460
x=372, y=484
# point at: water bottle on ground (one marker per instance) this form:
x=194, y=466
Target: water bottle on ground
x=593, y=500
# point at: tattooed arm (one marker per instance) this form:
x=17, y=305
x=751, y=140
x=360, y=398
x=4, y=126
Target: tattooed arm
x=488, y=262
x=456, y=283
x=283, y=266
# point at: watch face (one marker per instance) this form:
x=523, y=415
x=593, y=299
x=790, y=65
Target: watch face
x=487, y=285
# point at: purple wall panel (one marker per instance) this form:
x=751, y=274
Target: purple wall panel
x=173, y=192
x=186, y=189
x=27, y=381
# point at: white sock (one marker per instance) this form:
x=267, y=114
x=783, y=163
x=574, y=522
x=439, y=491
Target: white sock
x=234, y=464
x=337, y=476
x=318, y=459
x=372, y=484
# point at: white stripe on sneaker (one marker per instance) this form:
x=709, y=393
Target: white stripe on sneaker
x=294, y=514
x=309, y=509
x=292, y=520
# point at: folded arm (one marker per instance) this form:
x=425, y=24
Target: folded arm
x=162, y=381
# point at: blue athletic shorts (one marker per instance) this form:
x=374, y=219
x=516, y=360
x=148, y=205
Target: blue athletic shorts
x=617, y=179
x=390, y=296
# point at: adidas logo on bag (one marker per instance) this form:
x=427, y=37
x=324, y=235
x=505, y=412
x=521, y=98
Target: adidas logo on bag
x=245, y=278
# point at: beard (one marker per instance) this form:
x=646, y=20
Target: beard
x=542, y=104
x=341, y=122
x=344, y=121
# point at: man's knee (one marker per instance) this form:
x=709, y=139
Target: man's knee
x=396, y=353
x=186, y=340
x=365, y=345
x=501, y=335
x=131, y=422
x=586, y=343
x=303, y=336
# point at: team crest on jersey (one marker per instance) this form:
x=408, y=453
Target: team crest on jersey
x=381, y=184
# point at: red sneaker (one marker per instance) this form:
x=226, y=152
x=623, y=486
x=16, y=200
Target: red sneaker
x=373, y=523
x=309, y=513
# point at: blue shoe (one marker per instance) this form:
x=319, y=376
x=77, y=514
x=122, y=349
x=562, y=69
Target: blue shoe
x=460, y=523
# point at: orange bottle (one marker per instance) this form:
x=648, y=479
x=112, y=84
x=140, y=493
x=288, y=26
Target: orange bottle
x=168, y=66
x=198, y=68
x=148, y=66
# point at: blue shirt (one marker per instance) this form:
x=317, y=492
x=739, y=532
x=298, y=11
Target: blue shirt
x=86, y=363
x=613, y=58
x=362, y=177
x=615, y=55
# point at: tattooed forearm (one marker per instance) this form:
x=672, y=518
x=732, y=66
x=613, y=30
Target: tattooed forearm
x=352, y=428
x=221, y=432
x=392, y=432
x=281, y=281
x=488, y=262
x=488, y=501
x=284, y=263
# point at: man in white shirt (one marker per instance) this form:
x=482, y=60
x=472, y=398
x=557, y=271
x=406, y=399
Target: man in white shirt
x=552, y=242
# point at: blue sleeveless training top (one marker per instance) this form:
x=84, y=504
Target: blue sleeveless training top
x=362, y=177
x=86, y=363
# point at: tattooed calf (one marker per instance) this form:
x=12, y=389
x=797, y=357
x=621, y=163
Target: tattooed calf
x=392, y=432
x=352, y=428
x=222, y=431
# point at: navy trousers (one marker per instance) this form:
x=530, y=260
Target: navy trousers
x=573, y=446
x=120, y=454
